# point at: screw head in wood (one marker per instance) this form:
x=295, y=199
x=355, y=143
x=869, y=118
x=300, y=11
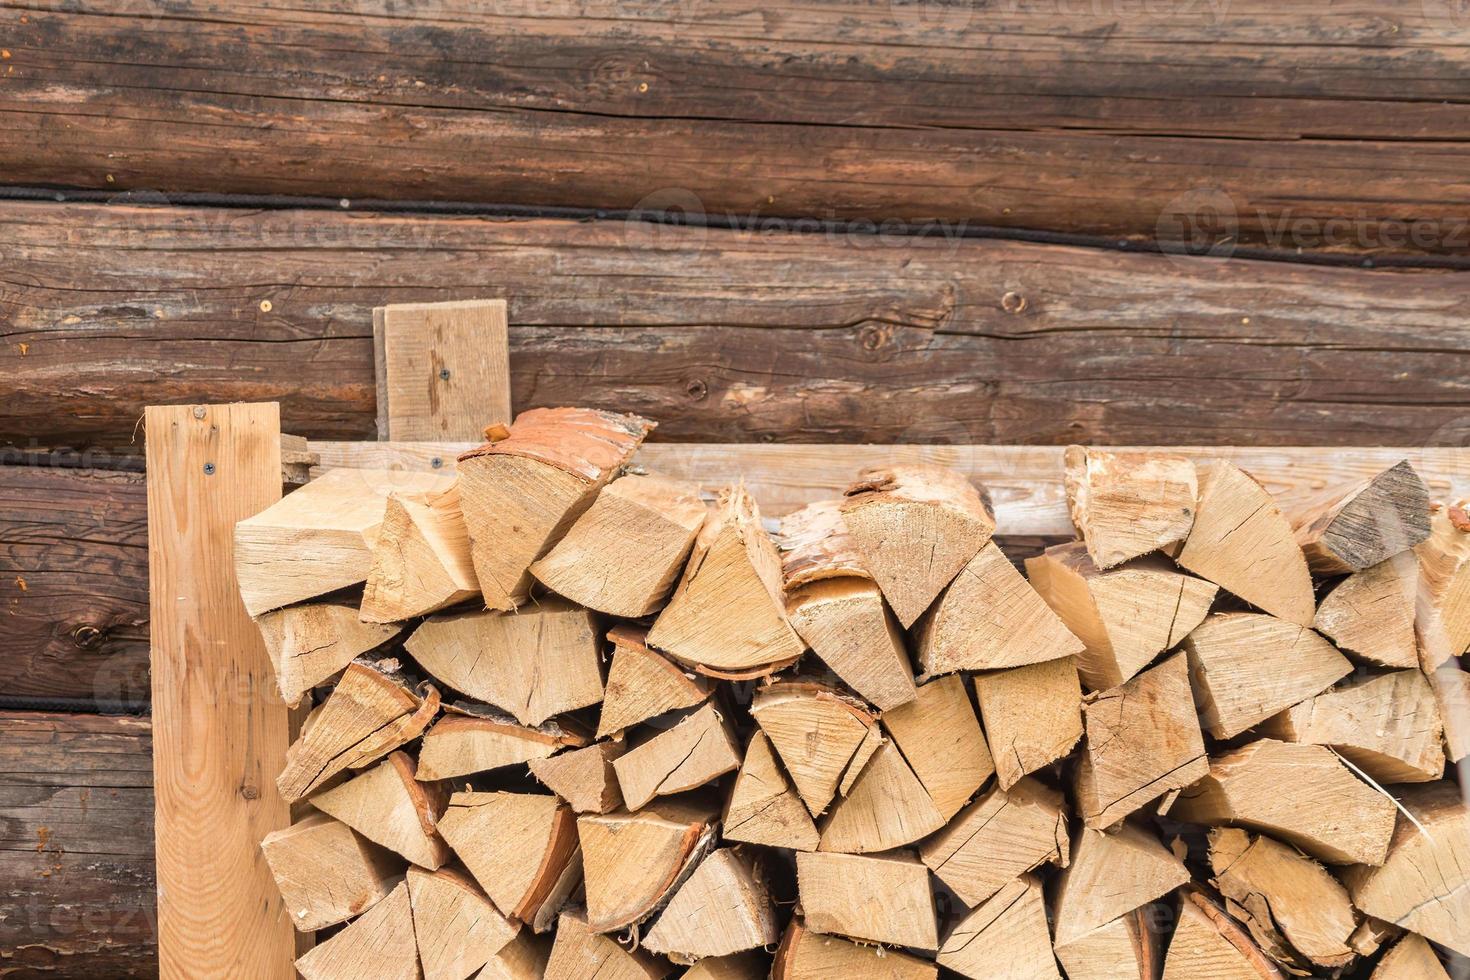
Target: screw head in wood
x=436, y=462
x=209, y=469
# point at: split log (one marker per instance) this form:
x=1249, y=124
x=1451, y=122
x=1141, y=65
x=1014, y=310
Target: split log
x=517, y=845
x=698, y=750
x=583, y=777
x=633, y=861
x=1300, y=794
x=579, y=952
x=1373, y=934
x=533, y=663
x=723, y=907
x=421, y=558
x=1006, y=938
x=1209, y=945
x=624, y=555
x=940, y=737
x=728, y=612
x=326, y=872
x=1297, y=913
x=883, y=898
x=1452, y=693
x=816, y=732
x=916, y=526
x=319, y=538
x=311, y=642
x=763, y=807
x=1388, y=726
x=1370, y=614
x=808, y=955
x=378, y=944
x=457, y=928
x=886, y=807
x=1443, y=607
x=990, y=617
x=1242, y=543
x=1033, y=716
x=1246, y=667
x=520, y=494
x=1143, y=741
x=1128, y=504
x=998, y=838
x=816, y=546
x=642, y=683
x=523, y=958
x=390, y=807
x=1126, y=948
x=1126, y=617
x=750, y=965
x=1352, y=530
x=369, y=713
x=1412, y=958
x=1110, y=875
x=469, y=741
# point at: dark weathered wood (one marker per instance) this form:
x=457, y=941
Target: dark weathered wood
x=76, y=846
x=721, y=336
x=1109, y=118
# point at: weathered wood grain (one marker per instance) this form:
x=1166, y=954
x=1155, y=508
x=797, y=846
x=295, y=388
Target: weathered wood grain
x=1096, y=118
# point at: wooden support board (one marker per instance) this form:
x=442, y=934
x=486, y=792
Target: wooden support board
x=443, y=369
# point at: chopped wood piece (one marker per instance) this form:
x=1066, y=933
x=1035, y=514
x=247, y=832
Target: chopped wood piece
x=1371, y=613
x=808, y=955
x=723, y=907
x=1004, y=939
x=870, y=744
x=1451, y=687
x=1126, y=948
x=845, y=623
x=632, y=861
x=1424, y=885
x=421, y=558
x=1411, y=958
x=580, y=953
x=461, y=744
x=940, y=737
x=989, y=617
x=368, y=714
x=1388, y=726
x=815, y=731
x=1128, y=504
x=624, y=555
x=887, y=807
x=1298, y=914
x=1442, y=615
x=457, y=929
x=698, y=750
x=326, y=872
x=1246, y=667
x=1124, y=617
x=728, y=612
x=1241, y=542
x=642, y=683
x=764, y=808
x=583, y=777
x=1143, y=741
x=520, y=494
x=309, y=643
x=1301, y=794
x=816, y=545
x=319, y=538
x=517, y=845
x=534, y=663
x=1372, y=934
x=1209, y=945
x=916, y=526
x=998, y=838
x=378, y=944
x=883, y=898
x=523, y=958
x=388, y=806
x=1110, y=875
x=749, y=965
x=1033, y=716
x=1369, y=523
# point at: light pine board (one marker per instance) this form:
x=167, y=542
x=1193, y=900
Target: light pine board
x=443, y=369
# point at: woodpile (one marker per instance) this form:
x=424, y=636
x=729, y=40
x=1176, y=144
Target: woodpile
x=570, y=719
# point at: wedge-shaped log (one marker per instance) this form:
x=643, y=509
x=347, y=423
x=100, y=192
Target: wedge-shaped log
x=624, y=555
x=379, y=944
x=1006, y=938
x=1124, y=617
x=319, y=538
x=1411, y=958
x=723, y=907
x=520, y=494
x=1348, y=531
x=886, y=807
x=457, y=928
x=421, y=558
x=990, y=617
x=1300, y=794
x=585, y=777
x=816, y=545
x=1370, y=614
x=998, y=838
x=1242, y=543
x=749, y=965
x=580, y=953
x=517, y=845
x=369, y=713
x=463, y=742
x=1442, y=620
x=633, y=861
x=1110, y=875
x=523, y=958
x=815, y=731
x=388, y=806
x=763, y=807
x=728, y=613
x=940, y=737
x=1128, y=504
x=698, y=750
x=1209, y=945
x=1388, y=726
x=642, y=683
x=883, y=898
x=1126, y=948
x=1246, y=667
x=534, y=663
x=1452, y=692
x=311, y=642
x=326, y=872
x=1033, y=716
x=808, y=955
x=1143, y=741
x=916, y=527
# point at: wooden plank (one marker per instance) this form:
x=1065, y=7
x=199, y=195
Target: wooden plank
x=1254, y=120
x=443, y=369
x=221, y=730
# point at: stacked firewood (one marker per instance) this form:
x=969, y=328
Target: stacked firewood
x=569, y=719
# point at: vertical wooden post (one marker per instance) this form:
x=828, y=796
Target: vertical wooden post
x=219, y=730
x=443, y=369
